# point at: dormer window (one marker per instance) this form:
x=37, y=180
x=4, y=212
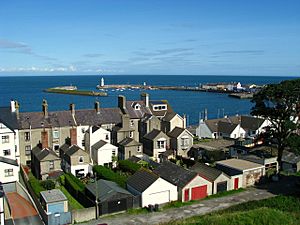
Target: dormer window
x=159, y=107
x=137, y=107
x=80, y=159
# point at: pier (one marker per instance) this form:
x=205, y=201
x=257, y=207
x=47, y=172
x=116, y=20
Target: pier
x=75, y=92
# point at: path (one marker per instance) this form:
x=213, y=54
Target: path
x=203, y=207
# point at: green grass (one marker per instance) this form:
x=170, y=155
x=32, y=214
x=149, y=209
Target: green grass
x=177, y=204
x=74, y=204
x=274, y=211
x=35, y=184
x=137, y=211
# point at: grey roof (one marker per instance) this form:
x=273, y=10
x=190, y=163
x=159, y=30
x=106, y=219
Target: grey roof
x=169, y=116
x=176, y=132
x=160, y=113
x=99, y=144
x=175, y=174
x=107, y=190
x=129, y=142
x=212, y=124
x=134, y=159
x=54, y=195
x=153, y=134
x=225, y=127
x=137, y=114
x=65, y=147
x=248, y=122
x=206, y=172
x=73, y=149
x=41, y=154
x=142, y=179
x=290, y=157
x=8, y=118
x=8, y=161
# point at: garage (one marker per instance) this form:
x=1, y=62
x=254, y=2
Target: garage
x=161, y=197
x=221, y=186
x=199, y=192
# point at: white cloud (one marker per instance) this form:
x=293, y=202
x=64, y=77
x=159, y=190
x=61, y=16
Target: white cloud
x=38, y=69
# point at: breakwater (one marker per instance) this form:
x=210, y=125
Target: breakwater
x=75, y=92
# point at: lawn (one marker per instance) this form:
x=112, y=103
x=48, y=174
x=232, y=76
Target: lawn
x=276, y=211
x=74, y=204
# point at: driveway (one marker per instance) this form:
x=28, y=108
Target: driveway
x=203, y=207
x=22, y=211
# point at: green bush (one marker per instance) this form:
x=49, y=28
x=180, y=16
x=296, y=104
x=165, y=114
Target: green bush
x=108, y=174
x=73, y=181
x=128, y=166
x=35, y=185
x=48, y=184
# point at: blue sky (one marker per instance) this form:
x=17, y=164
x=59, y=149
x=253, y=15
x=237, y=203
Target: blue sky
x=187, y=37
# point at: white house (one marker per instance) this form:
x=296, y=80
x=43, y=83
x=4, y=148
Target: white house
x=95, y=134
x=9, y=144
x=152, y=188
x=230, y=130
x=103, y=153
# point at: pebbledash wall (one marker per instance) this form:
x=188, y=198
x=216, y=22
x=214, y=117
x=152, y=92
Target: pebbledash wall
x=83, y=215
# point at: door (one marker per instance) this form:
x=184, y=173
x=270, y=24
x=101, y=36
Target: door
x=186, y=195
x=221, y=186
x=159, y=197
x=236, y=183
x=199, y=192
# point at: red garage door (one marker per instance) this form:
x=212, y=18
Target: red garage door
x=199, y=192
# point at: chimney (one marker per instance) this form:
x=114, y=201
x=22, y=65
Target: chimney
x=184, y=121
x=205, y=114
x=97, y=106
x=122, y=102
x=44, y=139
x=145, y=98
x=72, y=108
x=73, y=135
x=45, y=108
x=17, y=106
x=12, y=106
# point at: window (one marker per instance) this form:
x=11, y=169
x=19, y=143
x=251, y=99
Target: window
x=5, y=139
x=137, y=107
x=83, y=142
x=107, y=137
x=139, y=149
x=51, y=165
x=27, y=150
x=8, y=172
x=56, y=147
x=80, y=159
x=159, y=107
x=161, y=144
x=131, y=134
x=6, y=152
x=185, y=142
x=55, y=134
x=82, y=130
x=131, y=123
x=27, y=136
x=113, y=152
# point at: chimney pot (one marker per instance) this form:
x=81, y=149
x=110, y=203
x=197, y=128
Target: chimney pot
x=97, y=106
x=45, y=108
x=122, y=103
x=72, y=108
x=145, y=98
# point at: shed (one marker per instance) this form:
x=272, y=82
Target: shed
x=220, y=181
x=251, y=172
x=151, y=188
x=290, y=162
x=111, y=197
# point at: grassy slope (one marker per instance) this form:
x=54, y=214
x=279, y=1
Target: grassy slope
x=74, y=204
x=278, y=210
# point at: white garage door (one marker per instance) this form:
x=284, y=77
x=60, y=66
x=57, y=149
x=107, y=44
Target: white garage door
x=160, y=197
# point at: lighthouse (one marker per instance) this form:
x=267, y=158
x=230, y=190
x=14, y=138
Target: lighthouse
x=102, y=82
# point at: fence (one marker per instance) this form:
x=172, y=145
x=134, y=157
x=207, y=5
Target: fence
x=82, y=215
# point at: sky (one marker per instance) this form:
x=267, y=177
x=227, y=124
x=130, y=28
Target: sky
x=151, y=37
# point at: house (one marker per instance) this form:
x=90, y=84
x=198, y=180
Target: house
x=251, y=172
x=75, y=160
x=267, y=161
x=9, y=144
x=190, y=185
x=220, y=181
x=129, y=147
x=172, y=120
x=230, y=130
x=151, y=188
x=181, y=140
x=44, y=160
x=103, y=153
x=95, y=134
x=290, y=162
x=155, y=143
x=147, y=124
x=111, y=198
x=55, y=204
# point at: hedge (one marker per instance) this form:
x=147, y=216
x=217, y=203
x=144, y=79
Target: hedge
x=128, y=166
x=35, y=185
x=74, y=182
x=108, y=174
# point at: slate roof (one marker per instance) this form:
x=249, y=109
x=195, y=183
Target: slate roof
x=141, y=180
x=225, y=127
x=239, y=164
x=54, y=195
x=161, y=113
x=41, y=154
x=290, y=157
x=169, y=116
x=175, y=174
x=137, y=114
x=176, y=132
x=206, y=172
x=99, y=144
x=134, y=159
x=129, y=142
x=152, y=134
x=107, y=190
x=8, y=161
x=8, y=118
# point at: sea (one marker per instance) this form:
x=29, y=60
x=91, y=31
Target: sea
x=28, y=91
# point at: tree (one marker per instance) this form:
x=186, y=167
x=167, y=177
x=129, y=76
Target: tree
x=279, y=103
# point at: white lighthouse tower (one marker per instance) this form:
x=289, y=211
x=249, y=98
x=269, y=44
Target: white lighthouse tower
x=102, y=82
